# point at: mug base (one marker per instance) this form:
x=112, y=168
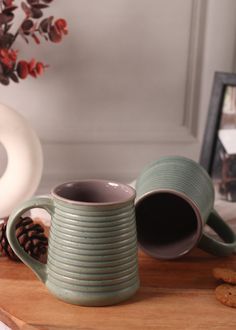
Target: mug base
x=93, y=299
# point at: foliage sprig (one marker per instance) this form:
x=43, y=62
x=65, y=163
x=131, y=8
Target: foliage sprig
x=33, y=28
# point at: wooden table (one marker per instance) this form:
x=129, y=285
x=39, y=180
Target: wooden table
x=173, y=295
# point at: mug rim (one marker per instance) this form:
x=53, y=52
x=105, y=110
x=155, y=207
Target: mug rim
x=196, y=211
x=130, y=190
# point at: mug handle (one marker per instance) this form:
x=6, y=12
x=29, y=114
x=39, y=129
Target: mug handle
x=214, y=246
x=43, y=202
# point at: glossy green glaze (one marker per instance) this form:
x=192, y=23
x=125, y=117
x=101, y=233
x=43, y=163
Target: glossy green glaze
x=92, y=255
x=188, y=180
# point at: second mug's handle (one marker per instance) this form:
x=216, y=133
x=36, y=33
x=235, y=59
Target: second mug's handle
x=214, y=246
x=44, y=202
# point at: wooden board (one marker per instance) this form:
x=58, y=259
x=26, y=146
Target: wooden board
x=173, y=295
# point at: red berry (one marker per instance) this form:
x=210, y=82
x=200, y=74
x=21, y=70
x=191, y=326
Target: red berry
x=61, y=25
x=39, y=68
x=22, y=69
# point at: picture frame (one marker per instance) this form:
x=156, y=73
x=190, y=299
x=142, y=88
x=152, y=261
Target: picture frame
x=218, y=153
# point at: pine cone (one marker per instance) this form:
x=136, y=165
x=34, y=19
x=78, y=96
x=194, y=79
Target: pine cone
x=30, y=236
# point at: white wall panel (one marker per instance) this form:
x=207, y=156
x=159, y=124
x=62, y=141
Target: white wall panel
x=130, y=83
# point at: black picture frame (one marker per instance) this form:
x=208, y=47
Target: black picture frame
x=220, y=83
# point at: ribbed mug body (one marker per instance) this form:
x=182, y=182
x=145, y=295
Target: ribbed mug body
x=181, y=175
x=92, y=255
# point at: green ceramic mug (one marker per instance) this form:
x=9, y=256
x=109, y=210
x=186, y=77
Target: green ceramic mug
x=92, y=253
x=175, y=200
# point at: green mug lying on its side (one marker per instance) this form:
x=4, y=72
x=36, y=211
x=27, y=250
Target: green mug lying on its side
x=175, y=200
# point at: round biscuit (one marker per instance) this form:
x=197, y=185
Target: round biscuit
x=225, y=274
x=226, y=294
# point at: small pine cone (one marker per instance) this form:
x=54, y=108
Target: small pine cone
x=30, y=236
x=5, y=248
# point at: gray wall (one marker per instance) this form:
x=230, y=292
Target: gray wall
x=130, y=83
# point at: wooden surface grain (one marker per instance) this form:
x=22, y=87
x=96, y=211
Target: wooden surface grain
x=173, y=295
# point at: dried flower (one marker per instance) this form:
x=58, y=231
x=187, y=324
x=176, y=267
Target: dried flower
x=57, y=30
x=8, y=57
x=31, y=68
x=32, y=28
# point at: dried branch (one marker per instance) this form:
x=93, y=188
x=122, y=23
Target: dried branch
x=31, y=28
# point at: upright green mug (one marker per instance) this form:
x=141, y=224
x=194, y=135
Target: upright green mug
x=92, y=253
x=175, y=200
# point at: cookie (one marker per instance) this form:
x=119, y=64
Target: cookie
x=225, y=274
x=226, y=294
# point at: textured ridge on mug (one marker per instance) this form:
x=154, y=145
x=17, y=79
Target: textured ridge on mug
x=93, y=253
x=164, y=174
